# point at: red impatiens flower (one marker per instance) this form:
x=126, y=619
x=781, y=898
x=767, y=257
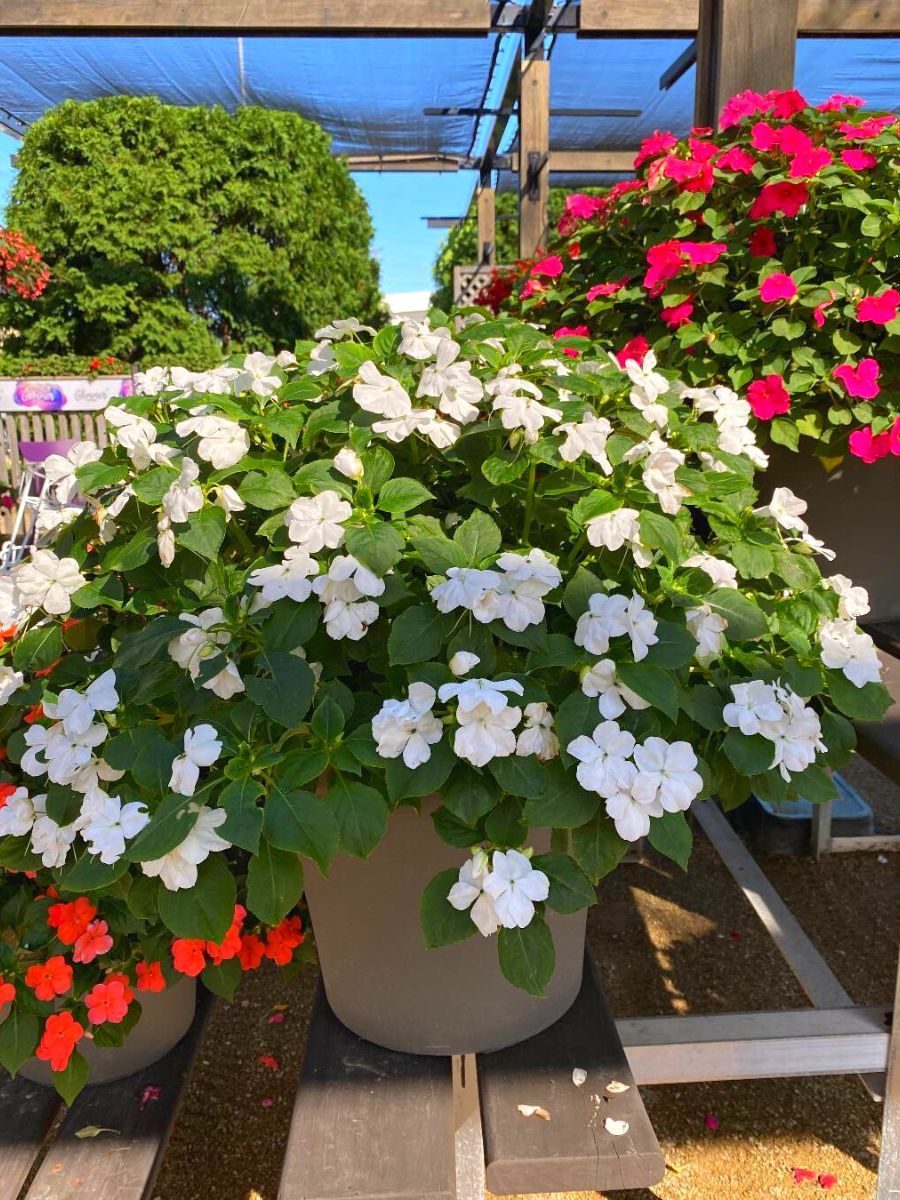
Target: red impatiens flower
x=93, y=942
x=872, y=127
x=785, y=105
x=550, y=267
x=691, y=174
x=802, y=1175
x=654, y=145
x=868, y=445
x=880, y=309
x=676, y=315
x=859, y=160
x=786, y=198
x=50, y=979
x=664, y=261
x=605, y=289
x=765, y=137
x=7, y=992
x=768, y=397
x=283, y=940
x=792, y=140
x=701, y=254
x=572, y=331
x=837, y=101
x=777, y=286
x=6, y=790
x=736, y=159
x=230, y=946
x=762, y=242
x=810, y=162
x=634, y=350
x=61, y=1034
x=253, y=950
x=188, y=956
x=71, y=920
x=106, y=1002
x=35, y=713
x=150, y=977
x=862, y=380
x=95, y=364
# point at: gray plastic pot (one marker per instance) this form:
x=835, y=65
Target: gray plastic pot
x=165, y=1019
x=384, y=985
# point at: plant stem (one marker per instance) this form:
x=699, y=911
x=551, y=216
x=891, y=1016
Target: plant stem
x=529, y=501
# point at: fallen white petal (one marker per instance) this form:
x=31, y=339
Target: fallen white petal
x=579, y=1076
x=615, y=1087
x=533, y=1110
x=616, y=1128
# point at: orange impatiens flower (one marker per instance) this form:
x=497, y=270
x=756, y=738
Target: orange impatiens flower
x=50, y=979
x=61, y=1034
x=281, y=941
x=188, y=956
x=34, y=714
x=71, y=920
x=6, y=635
x=253, y=951
x=118, y=977
x=93, y=942
x=230, y=946
x=107, y=1002
x=7, y=992
x=150, y=977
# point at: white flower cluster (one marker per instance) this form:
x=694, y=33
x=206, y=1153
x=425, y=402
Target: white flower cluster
x=207, y=634
x=44, y=581
x=637, y=782
x=512, y=594
x=787, y=510
x=780, y=715
x=846, y=648
x=610, y=616
x=616, y=529
x=731, y=415
x=257, y=375
x=499, y=891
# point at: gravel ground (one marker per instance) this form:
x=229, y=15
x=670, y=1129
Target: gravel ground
x=665, y=942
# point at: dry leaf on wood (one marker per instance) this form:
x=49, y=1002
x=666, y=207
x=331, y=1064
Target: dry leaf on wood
x=533, y=1110
x=92, y=1131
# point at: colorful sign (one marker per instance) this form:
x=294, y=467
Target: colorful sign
x=54, y=395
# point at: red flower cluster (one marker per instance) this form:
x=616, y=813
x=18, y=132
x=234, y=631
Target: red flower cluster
x=22, y=269
x=189, y=955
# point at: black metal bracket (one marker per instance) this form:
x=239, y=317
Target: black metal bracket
x=536, y=164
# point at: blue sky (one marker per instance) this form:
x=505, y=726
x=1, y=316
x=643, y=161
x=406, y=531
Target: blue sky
x=403, y=244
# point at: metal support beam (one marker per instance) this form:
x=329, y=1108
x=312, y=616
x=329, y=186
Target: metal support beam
x=485, y=201
x=534, y=150
x=742, y=44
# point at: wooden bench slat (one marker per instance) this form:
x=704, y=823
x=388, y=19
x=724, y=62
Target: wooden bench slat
x=26, y=1114
x=120, y=1166
x=368, y=1121
x=573, y=1150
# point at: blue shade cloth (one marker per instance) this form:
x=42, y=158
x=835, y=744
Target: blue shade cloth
x=367, y=93
x=866, y=67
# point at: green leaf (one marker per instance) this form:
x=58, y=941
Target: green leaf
x=223, y=980
x=814, y=784
x=205, y=532
x=274, y=883
x=289, y=423
x=452, y=830
x=95, y=476
x=469, y=795
x=868, y=703
x=244, y=822
x=327, y=720
x=362, y=815
x=563, y=804
x=378, y=467
x=169, y=825
x=88, y=874
x=137, y=649
x=670, y=834
x=131, y=554
x=504, y=824
x=205, y=910
x=839, y=736
x=749, y=754
x=785, y=433
x=19, y=1035
x=284, y=697
x=297, y=820
x=441, y=923
x=478, y=537
x=269, y=490
x=404, y=783
x=746, y=620
x=418, y=634
x=597, y=848
x=525, y=777
x=290, y=625
x=438, y=552
x=579, y=590
x=504, y=468
x=300, y=767
x=70, y=1082
x=594, y=504
x=527, y=957
x=659, y=532
x=38, y=648
x=570, y=889
x=377, y=545
x=752, y=561
x=676, y=646
x=401, y=495
x=559, y=651
x=652, y=684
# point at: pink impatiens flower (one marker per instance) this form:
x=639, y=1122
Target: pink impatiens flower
x=820, y=310
x=768, y=397
x=786, y=104
x=654, y=145
x=793, y=141
x=605, y=289
x=859, y=160
x=837, y=101
x=786, y=198
x=880, y=309
x=808, y=163
x=872, y=127
x=702, y=253
x=736, y=159
x=664, y=261
x=581, y=206
x=677, y=315
x=764, y=136
x=862, y=380
x=550, y=267
x=777, y=287
x=634, y=350
x=572, y=331
x=744, y=104
x=868, y=445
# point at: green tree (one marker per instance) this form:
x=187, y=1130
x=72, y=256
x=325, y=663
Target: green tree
x=185, y=233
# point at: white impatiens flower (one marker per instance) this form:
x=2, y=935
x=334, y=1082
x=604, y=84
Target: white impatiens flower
x=604, y=759
x=343, y=327
x=59, y=470
x=640, y=625
x=518, y=595
x=515, y=886
x=519, y=404
x=796, y=735
x=616, y=529
x=630, y=817
x=666, y=774
x=472, y=693
x=17, y=814
x=754, y=703
x=77, y=710
x=316, y=522
x=462, y=662
x=604, y=619
x=485, y=732
x=48, y=582
x=814, y=544
x=107, y=825
x=289, y=579
x=643, y=375
x=846, y=648
x=348, y=463
x=419, y=341
x=50, y=840
x=537, y=736
x=452, y=384
x=853, y=602
x=60, y=755
x=222, y=442
x=259, y=367
x=785, y=508
x=228, y=500
x=201, y=642
x=165, y=541
x=151, y=382
x=408, y=728
x=201, y=749
x=227, y=683
x=470, y=588
x=10, y=682
x=178, y=868
x=321, y=359
x=722, y=573
x=658, y=475
x=468, y=892
x=184, y=495
x=343, y=592
x=381, y=394
x=133, y=433
x=586, y=437
x=613, y=696
x=708, y=628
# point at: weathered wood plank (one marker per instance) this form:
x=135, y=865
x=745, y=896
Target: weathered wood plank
x=678, y=17
x=120, y=1166
x=26, y=1114
x=534, y=147
x=742, y=44
x=487, y=225
x=573, y=1151
x=368, y=1121
x=889, y=1165
x=310, y=17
